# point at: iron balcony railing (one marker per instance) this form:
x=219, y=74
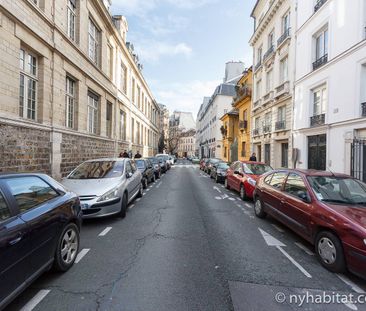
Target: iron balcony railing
x=284, y=36
x=269, y=52
x=317, y=120
x=255, y=132
x=259, y=64
x=363, y=108
x=320, y=61
x=243, y=124
x=319, y=4
x=266, y=128
x=280, y=125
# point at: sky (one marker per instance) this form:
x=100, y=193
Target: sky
x=184, y=44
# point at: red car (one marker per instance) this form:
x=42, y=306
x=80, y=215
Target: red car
x=326, y=209
x=242, y=177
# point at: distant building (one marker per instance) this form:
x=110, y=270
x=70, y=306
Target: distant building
x=184, y=120
x=187, y=144
x=209, y=136
x=164, y=123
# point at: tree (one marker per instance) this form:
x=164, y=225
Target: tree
x=175, y=134
x=161, y=145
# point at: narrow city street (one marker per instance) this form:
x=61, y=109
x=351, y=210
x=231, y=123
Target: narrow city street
x=187, y=244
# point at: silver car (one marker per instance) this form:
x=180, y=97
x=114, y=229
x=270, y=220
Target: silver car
x=105, y=186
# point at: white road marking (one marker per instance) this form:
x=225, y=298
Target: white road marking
x=278, y=228
x=147, y=190
x=354, y=286
x=222, y=186
x=35, y=300
x=105, y=231
x=158, y=185
x=150, y=186
x=304, y=248
x=217, y=189
x=81, y=254
x=248, y=205
x=131, y=206
x=307, y=274
x=138, y=199
x=218, y=198
x=272, y=241
x=231, y=199
x=239, y=199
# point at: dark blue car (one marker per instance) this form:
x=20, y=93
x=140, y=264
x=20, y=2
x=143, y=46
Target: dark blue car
x=39, y=228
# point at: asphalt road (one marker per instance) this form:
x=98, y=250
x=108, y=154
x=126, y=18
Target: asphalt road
x=190, y=244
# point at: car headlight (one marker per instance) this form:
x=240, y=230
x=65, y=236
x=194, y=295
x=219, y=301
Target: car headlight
x=251, y=181
x=110, y=195
x=156, y=166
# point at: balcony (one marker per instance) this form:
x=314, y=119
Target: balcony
x=282, y=89
x=280, y=125
x=319, y=4
x=284, y=36
x=268, y=53
x=363, y=109
x=317, y=120
x=242, y=92
x=256, y=132
x=257, y=103
x=266, y=128
x=243, y=125
x=259, y=65
x=268, y=98
x=320, y=61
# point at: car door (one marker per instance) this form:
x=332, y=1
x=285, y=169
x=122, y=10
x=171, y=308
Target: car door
x=136, y=177
x=230, y=173
x=131, y=187
x=237, y=176
x=272, y=193
x=15, y=248
x=41, y=208
x=296, y=204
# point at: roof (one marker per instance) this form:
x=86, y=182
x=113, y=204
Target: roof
x=255, y=6
x=311, y=172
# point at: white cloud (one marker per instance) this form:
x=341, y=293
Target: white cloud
x=185, y=96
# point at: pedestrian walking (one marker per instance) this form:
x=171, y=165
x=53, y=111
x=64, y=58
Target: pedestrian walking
x=253, y=157
x=138, y=155
x=124, y=154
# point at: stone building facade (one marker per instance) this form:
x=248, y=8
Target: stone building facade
x=71, y=88
x=187, y=144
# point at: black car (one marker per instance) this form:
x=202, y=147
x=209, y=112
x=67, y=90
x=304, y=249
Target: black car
x=218, y=171
x=209, y=163
x=39, y=228
x=147, y=171
x=156, y=164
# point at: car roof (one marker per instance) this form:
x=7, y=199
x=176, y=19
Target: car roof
x=312, y=172
x=14, y=174
x=253, y=162
x=106, y=159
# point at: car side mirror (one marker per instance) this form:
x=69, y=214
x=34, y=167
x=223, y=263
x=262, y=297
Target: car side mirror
x=238, y=173
x=129, y=175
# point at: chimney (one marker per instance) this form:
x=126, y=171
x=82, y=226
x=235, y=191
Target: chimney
x=121, y=24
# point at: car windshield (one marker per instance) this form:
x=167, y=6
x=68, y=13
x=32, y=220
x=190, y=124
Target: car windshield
x=140, y=164
x=154, y=160
x=222, y=166
x=256, y=169
x=163, y=157
x=340, y=190
x=98, y=170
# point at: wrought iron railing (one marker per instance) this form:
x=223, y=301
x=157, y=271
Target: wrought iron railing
x=317, y=120
x=243, y=124
x=255, y=132
x=284, y=36
x=363, y=108
x=320, y=61
x=280, y=125
x=259, y=64
x=319, y=4
x=269, y=52
x=266, y=128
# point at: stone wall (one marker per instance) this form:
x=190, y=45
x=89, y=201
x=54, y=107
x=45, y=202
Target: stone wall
x=76, y=149
x=24, y=149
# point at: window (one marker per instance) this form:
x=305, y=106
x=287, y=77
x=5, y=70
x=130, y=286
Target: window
x=128, y=167
x=109, y=119
x=278, y=179
x=321, y=44
x=133, y=90
x=4, y=209
x=259, y=55
x=94, y=35
x=267, y=119
x=28, y=84
x=30, y=191
x=319, y=100
x=138, y=132
x=70, y=102
x=271, y=39
x=93, y=108
x=123, y=78
x=71, y=19
x=284, y=70
x=269, y=81
x=110, y=61
x=132, y=130
x=138, y=97
x=259, y=89
x=281, y=113
x=295, y=186
x=286, y=22
x=122, y=125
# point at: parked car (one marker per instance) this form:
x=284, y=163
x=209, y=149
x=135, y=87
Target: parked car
x=242, y=177
x=39, y=228
x=105, y=186
x=165, y=158
x=157, y=168
x=203, y=163
x=219, y=171
x=209, y=163
x=326, y=209
x=195, y=160
x=172, y=160
x=147, y=171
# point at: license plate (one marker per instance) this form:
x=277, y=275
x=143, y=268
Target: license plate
x=84, y=206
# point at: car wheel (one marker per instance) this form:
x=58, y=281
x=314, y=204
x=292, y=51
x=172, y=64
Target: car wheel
x=217, y=179
x=140, y=193
x=227, y=184
x=67, y=248
x=243, y=194
x=123, y=211
x=154, y=178
x=258, y=208
x=329, y=251
x=144, y=183
x=211, y=176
